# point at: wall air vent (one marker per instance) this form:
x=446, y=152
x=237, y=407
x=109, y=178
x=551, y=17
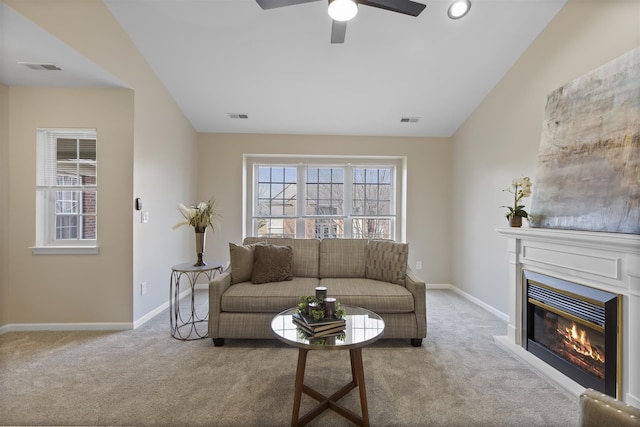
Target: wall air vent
x=409, y=119
x=40, y=67
x=238, y=115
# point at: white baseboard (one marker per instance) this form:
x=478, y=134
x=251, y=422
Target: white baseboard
x=28, y=327
x=439, y=286
x=632, y=400
x=36, y=327
x=500, y=315
x=150, y=315
x=153, y=313
x=123, y=326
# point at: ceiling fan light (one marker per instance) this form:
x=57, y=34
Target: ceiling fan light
x=342, y=10
x=458, y=9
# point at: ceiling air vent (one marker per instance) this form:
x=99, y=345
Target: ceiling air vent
x=409, y=119
x=40, y=67
x=237, y=116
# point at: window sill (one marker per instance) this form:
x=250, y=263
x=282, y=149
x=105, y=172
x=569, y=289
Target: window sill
x=64, y=250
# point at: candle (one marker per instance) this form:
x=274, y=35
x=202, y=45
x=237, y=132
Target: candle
x=329, y=308
x=321, y=292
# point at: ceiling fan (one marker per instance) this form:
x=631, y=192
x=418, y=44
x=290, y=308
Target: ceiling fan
x=339, y=25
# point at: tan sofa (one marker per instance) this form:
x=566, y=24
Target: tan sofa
x=349, y=268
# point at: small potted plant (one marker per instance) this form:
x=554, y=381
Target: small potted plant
x=520, y=188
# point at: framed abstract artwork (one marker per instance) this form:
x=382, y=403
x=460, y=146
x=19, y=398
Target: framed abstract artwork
x=588, y=175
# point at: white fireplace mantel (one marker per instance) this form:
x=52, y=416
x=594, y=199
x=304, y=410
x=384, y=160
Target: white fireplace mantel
x=606, y=261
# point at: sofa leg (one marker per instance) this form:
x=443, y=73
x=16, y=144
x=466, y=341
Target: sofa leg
x=218, y=342
x=416, y=342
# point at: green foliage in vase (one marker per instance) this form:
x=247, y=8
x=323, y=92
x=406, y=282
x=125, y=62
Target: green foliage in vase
x=340, y=312
x=317, y=314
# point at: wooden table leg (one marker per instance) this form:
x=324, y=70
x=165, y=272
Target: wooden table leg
x=297, y=396
x=358, y=374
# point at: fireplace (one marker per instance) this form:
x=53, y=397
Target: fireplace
x=606, y=262
x=574, y=328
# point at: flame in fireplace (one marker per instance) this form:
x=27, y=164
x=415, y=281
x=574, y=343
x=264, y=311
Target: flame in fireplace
x=577, y=339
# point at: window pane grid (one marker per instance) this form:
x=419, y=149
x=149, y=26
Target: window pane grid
x=277, y=191
x=322, y=228
x=372, y=228
x=275, y=227
x=324, y=191
x=368, y=213
x=372, y=191
x=66, y=189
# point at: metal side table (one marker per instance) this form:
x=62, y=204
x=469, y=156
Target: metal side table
x=178, y=324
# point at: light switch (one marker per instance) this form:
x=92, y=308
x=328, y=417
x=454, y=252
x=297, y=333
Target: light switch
x=145, y=217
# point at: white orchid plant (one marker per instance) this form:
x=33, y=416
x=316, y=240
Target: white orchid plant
x=520, y=188
x=199, y=216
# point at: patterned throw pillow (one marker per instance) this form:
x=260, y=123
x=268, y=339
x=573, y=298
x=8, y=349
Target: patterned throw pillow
x=272, y=264
x=241, y=257
x=387, y=261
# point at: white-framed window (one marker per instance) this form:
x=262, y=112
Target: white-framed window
x=319, y=197
x=66, y=191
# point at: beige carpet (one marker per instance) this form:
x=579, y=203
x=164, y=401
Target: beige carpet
x=459, y=377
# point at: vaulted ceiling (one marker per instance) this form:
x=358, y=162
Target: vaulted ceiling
x=224, y=58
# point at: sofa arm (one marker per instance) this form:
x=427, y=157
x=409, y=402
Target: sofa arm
x=597, y=409
x=417, y=287
x=217, y=286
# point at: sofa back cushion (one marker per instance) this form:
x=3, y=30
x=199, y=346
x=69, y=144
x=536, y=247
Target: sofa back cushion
x=305, y=253
x=343, y=258
x=387, y=261
x=241, y=257
x=271, y=263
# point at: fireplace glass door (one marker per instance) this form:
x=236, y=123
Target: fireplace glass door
x=573, y=328
x=574, y=341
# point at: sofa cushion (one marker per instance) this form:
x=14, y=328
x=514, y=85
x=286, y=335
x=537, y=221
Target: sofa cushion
x=305, y=253
x=343, y=257
x=375, y=295
x=272, y=298
x=271, y=263
x=241, y=257
x=387, y=261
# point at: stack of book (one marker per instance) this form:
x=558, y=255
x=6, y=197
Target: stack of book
x=319, y=328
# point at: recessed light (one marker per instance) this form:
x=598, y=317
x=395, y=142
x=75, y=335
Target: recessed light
x=458, y=9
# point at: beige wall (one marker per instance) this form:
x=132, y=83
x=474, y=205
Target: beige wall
x=162, y=162
x=428, y=162
x=71, y=288
x=4, y=199
x=500, y=140
x=455, y=238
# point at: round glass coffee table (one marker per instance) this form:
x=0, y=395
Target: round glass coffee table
x=362, y=328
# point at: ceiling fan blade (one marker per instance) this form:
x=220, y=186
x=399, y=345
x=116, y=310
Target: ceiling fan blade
x=338, y=31
x=272, y=4
x=407, y=7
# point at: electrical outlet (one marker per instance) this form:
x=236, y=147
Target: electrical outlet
x=418, y=265
x=143, y=288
